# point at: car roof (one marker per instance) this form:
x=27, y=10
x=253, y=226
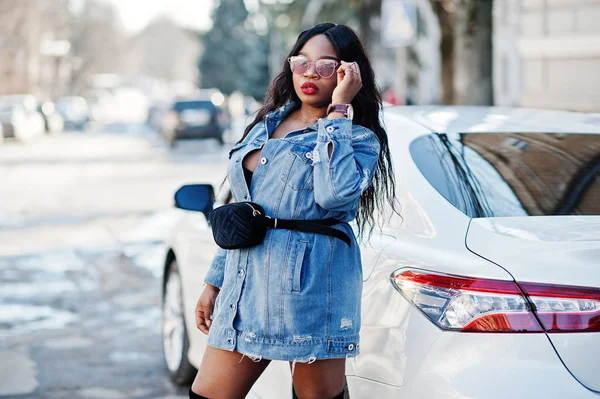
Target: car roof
x=483, y=119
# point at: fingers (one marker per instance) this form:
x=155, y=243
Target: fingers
x=349, y=83
x=203, y=313
x=347, y=68
x=349, y=72
x=201, y=317
x=208, y=312
x=352, y=67
x=201, y=322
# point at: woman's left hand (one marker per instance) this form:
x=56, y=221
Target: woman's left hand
x=349, y=83
x=205, y=307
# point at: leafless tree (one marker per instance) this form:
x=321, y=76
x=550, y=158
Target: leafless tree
x=466, y=49
x=24, y=26
x=98, y=43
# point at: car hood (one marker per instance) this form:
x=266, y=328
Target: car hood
x=562, y=250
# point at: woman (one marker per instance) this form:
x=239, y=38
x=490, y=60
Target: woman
x=316, y=150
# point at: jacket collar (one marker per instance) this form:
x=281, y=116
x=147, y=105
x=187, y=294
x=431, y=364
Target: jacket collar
x=274, y=118
x=281, y=113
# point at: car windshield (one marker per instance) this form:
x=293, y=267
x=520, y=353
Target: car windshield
x=181, y=106
x=499, y=175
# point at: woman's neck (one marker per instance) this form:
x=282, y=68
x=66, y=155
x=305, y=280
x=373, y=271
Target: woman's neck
x=309, y=115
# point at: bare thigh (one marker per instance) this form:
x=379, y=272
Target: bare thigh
x=225, y=375
x=322, y=379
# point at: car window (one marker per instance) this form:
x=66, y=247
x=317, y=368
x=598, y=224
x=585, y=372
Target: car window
x=499, y=175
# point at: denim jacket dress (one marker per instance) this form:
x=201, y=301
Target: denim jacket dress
x=296, y=296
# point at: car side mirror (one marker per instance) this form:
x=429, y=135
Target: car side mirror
x=195, y=197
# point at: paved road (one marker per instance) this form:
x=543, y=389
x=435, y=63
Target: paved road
x=82, y=222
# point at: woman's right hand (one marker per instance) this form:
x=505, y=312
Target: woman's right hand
x=205, y=307
x=349, y=83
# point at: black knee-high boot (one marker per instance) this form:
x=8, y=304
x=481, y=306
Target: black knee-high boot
x=194, y=395
x=340, y=396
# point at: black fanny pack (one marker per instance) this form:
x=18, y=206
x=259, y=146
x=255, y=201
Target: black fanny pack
x=244, y=224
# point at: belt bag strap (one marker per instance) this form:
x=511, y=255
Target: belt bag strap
x=310, y=226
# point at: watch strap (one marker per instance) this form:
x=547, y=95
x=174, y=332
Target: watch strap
x=343, y=108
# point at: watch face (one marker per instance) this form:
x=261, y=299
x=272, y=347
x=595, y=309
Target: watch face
x=350, y=112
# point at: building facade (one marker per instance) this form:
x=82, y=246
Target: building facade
x=547, y=54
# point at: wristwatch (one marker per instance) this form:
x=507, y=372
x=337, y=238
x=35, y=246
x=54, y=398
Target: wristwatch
x=345, y=109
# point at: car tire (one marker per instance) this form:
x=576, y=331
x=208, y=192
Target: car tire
x=174, y=332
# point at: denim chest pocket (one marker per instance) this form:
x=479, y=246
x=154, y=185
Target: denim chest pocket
x=298, y=173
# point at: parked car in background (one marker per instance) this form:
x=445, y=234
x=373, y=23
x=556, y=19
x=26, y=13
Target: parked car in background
x=74, y=110
x=103, y=106
x=53, y=122
x=20, y=117
x=487, y=285
x=156, y=114
x=132, y=105
x=200, y=117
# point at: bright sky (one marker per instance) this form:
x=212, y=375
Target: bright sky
x=136, y=14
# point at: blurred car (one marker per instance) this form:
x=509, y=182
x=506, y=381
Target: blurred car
x=74, y=110
x=102, y=105
x=19, y=116
x=200, y=117
x=156, y=114
x=53, y=122
x=132, y=105
x=487, y=286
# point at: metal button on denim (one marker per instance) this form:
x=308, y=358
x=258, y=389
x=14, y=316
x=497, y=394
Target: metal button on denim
x=351, y=347
x=241, y=273
x=232, y=307
x=329, y=129
x=263, y=160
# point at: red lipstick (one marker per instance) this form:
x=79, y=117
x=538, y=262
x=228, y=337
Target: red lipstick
x=309, y=88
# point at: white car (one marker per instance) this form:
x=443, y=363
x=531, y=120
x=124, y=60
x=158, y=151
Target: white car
x=20, y=118
x=487, y=286
x=75, y=112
